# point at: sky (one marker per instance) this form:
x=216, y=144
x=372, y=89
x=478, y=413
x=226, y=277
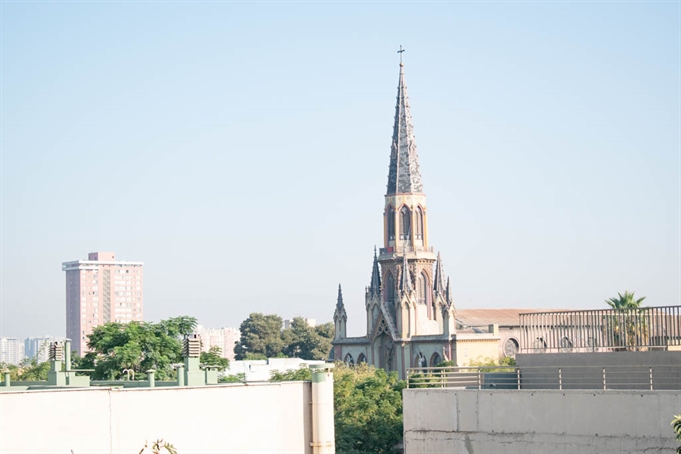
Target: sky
x=240, y=150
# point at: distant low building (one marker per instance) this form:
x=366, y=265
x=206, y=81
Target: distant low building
x=225, y=338
x=261, y=370
x=38, y=347
x=11, y=350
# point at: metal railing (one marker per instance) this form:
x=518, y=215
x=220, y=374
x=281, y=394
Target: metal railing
x=649, y=328
x=667, y=377
x=402, y=249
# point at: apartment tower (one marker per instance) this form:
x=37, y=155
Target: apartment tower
x=101, y=289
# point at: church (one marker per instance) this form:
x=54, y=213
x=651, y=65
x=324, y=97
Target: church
x=410, y=314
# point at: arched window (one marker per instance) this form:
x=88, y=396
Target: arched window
x=435, y=360
x=420, y=361
x=390, y=294
x=349, y=360
x=405, y=223
x=510, y=347
x=419, y=224
x=565, y=345
x=391, y=223
x=422, y=288
x=361, y=358
x=539, y=345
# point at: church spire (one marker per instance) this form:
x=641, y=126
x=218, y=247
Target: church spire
x=340, y=307
x=375, y=287
x=403, y=174
x=439, y=286
x=405, y=281
x=448, y=293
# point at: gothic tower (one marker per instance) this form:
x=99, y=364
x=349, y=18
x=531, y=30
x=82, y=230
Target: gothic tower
x=410, y=314
x=406, y=258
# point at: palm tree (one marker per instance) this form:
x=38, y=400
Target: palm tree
x=627, y=329
x=626, y=301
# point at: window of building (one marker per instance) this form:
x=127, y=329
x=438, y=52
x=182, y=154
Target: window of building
x=349, y=360
x=391, y=223
x=419, y=223
x=405, y=223
x=390, y=294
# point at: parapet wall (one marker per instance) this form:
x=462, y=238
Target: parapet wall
x=272, y=417
x=623, y=370
x=541, y=421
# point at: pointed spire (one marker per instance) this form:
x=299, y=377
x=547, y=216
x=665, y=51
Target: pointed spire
x=339, y=313
x=439, y=286
x=339, y=303
x=405, y=282
x=448, y=294
x=404, y=175
x=375, y=287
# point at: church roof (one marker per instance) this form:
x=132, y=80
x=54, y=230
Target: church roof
x=403, y=174
x=501, y=317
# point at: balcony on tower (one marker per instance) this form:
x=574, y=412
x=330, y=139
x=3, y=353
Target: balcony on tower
x=412, y=252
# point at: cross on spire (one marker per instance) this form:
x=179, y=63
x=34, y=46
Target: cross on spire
x=401, y=51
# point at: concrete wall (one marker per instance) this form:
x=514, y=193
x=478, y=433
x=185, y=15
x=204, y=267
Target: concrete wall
x=273, y=418
x=624, y=370
x=516, y=421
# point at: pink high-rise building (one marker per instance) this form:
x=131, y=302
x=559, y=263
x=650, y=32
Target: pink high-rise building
x=101, y=289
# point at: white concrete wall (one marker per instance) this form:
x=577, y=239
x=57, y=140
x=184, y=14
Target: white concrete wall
x=546, y=421
x=272, y=418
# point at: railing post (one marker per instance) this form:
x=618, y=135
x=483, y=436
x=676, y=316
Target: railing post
x=479, y=379
x=651, y=378
x=604, y=382
x=560, y=378
x=442, y=378
x=517, y=374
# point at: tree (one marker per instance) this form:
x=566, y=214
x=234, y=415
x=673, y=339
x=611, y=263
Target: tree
x=626, y=301
x=157, y=446
x=627, y=327
x=306, y=342
x=32, y=370
x=28, y=370
x=260, y=334
x=676, y=425
x=302, y=374
x=213, y=358
x=137, y=346
x=12, y=369
x=368, y=407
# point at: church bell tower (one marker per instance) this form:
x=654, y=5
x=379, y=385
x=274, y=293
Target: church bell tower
x=406, y=258
x=409, y=309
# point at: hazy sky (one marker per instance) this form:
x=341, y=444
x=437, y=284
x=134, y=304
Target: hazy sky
x=240, y=150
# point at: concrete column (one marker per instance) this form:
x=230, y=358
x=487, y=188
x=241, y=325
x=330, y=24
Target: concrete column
x=67, y=354
x=193, y=375
x=7, y=379
x=323, y=434
x=180, y=375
